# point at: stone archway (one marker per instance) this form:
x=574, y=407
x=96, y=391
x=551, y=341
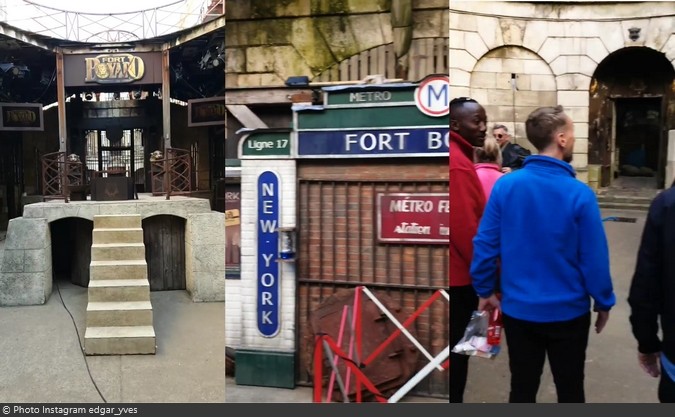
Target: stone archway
x=427, y=55
x=632, y=110
x=492, y=85
x=26, y=273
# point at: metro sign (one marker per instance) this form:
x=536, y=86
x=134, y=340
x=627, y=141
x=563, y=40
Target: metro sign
x=432, y=96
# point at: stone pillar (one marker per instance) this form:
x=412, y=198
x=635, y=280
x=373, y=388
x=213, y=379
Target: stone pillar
x=670, y=159
x=26, y=271
x=205, y=256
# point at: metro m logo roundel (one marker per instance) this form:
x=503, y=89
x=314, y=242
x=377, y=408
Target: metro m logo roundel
x=432, y=96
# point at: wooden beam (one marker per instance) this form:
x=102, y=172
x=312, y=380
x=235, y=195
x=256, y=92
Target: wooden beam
x=245, y=116
x=281, y=95
x=24, y=36
x=61, y=97
x=166, y=103
x=206, y=28
x=262, y=96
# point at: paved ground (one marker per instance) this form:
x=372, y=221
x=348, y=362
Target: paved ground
x=612, y=372
x=41, y=360
x=245, y=394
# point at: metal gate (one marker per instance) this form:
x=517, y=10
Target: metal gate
x=338, y=248
x=125, y=152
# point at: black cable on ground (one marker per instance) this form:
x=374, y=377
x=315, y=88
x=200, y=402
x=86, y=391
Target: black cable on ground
x=84, y=356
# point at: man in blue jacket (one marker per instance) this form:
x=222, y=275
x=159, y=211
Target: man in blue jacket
x=652, y=295
x=545, y=227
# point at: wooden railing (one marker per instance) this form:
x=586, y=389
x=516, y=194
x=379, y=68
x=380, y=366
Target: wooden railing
x=173, y=174
x=59, y=175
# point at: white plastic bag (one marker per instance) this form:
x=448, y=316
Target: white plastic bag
x=475, y=340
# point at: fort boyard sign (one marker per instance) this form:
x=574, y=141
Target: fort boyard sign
x=114, y=69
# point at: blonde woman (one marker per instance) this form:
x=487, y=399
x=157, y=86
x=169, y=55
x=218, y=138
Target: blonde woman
x=488, y=165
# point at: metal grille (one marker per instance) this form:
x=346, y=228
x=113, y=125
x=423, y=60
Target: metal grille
x=338, y=249
x=127, y=154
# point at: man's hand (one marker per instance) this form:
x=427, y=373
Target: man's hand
x=601, y=321
x=649, y=362
x=488, y=304
x=506, y=170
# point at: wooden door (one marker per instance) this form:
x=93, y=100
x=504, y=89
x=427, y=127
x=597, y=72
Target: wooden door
x=164, y=238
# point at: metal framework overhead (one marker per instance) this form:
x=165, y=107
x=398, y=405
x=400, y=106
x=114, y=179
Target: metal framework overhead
x=114, y=27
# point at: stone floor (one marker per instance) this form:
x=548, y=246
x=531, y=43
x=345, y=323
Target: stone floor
x=41, y=360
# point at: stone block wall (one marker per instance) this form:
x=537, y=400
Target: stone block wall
x=266, y=44
x=554, y=50
x=26, y=269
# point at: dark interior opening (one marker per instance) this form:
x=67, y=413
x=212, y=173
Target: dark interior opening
x=638, y=136
x=71, y=249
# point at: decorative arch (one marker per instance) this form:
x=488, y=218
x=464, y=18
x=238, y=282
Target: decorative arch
x=427, y=56
x=508, y=100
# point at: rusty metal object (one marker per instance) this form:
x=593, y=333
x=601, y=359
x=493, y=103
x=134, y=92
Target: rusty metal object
x=172, y=175
x=60, y=175
x=230, y=355
x=389, y=370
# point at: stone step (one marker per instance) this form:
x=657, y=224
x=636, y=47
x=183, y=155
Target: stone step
x=117, y=221
x=119, y=313
x=131, y=269
x=120, y=235
x=119, y=290
x=624, y=206
x=117, y=251
x=626, y=199
x=125, y=340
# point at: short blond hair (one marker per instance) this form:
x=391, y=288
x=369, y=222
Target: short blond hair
x=489, y=153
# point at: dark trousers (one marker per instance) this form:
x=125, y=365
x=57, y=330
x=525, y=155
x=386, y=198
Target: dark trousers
x=463, y=302
x=666, y=388
x=565, y=344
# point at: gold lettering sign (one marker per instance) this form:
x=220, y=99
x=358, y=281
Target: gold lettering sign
x=20, y=116
x=113, y=68
x=210, y=110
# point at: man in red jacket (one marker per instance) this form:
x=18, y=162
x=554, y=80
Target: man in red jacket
x=468, y=126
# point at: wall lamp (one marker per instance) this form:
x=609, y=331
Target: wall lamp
x=286, y=244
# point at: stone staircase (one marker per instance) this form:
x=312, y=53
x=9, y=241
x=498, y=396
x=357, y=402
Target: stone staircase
x=119, y=312
x=626, y=199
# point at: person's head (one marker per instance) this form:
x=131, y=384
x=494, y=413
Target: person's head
x=501, y=134
x=468, y=119
x=551, y=131
x=489, y=153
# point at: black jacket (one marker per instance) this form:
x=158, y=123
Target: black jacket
x=513, y=155
x=652, y=292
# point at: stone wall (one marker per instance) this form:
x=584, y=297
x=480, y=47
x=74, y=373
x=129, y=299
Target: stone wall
x=266, y=44
x=26, y=269
x=563, y=42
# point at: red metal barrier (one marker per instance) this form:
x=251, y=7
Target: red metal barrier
x=325, y=345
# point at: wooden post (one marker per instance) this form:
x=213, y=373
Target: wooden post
x=61, y=96
x=166, y=104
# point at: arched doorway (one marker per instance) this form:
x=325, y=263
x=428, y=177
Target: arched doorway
x=71, y=249
x=631, y=109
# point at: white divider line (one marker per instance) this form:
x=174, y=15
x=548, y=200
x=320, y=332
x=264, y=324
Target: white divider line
x=420, y=375
x=446, y=295
x=400, y=326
